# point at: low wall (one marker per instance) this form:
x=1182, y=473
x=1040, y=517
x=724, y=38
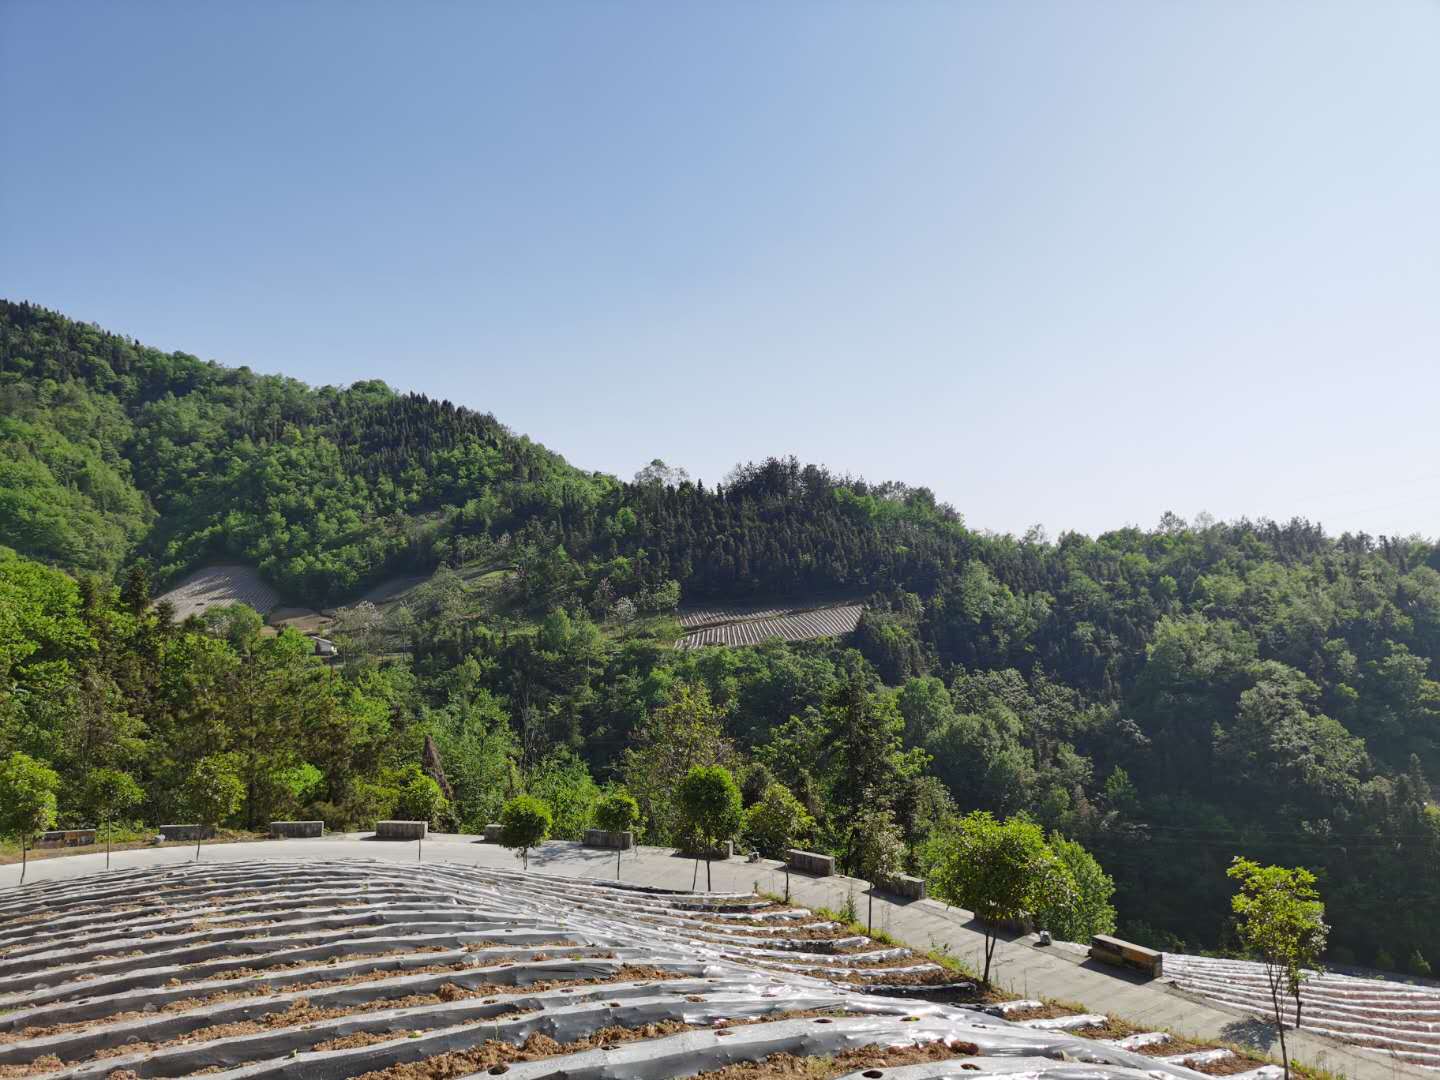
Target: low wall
x=724, y=850
x=908, y=886
x=1025, y=924
x=601, y=838
x=65, y=838
x=810, y=862
x=187, y=832
x=401, y=830
x=296, y=830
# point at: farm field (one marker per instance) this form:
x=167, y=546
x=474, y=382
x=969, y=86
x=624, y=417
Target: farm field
x=212, y=586
x=288, y=969
x=751, y=626
x=1396, y=1018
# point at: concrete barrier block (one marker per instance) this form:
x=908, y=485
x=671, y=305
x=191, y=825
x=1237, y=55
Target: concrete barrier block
x=907, y=885
x=492, y=833
x=722, y=851
x=187, y=832
x=56, y=838
x=601, y=838
x=401, y=830
x=810, y=862
x=296, y=830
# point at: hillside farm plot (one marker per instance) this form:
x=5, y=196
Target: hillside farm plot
x=214, y=586
x=750, y=626
x=1396, y=1018
x=395, y=972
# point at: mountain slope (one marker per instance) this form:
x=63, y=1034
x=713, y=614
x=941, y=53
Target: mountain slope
x=1171, y=697
x=113, y=449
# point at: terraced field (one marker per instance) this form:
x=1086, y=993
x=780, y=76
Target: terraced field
x=750, y=626
x=217, y=585
x=356, y=968
x=1398, y=1018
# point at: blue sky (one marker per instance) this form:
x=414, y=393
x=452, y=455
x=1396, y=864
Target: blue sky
x=1066, y=263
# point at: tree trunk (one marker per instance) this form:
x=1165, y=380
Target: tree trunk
x=24, y=853
x=1280, y=1026
x=525, y=858
x=989, y=952
x=870, y=914
x=197, y=844
x=617, y=864
x=709, y=885
x=107, y=845
x=1297, y=1010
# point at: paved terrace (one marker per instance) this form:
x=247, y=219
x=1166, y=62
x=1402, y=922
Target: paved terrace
x=1020, y=965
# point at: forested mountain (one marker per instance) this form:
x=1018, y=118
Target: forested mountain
x=1169, y=697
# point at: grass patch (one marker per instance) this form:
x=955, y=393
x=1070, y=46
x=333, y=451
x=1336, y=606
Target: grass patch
x=135, y=840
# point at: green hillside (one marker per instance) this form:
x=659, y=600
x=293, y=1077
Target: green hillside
x=1168, y=697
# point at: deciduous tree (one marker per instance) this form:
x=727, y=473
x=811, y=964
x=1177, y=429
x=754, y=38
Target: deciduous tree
x=214, y=791
x=1281, y=921
x=27, y=801
x=710, y=806
x=1001, y=872
x=524, y=823
x=108, y=793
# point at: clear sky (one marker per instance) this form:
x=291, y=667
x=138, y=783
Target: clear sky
x=1070, y=263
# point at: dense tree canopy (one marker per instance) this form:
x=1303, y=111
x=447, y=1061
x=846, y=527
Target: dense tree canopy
x=1165, y=698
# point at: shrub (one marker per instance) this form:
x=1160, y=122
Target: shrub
x=524, y=823
x=616, y=811
x=420, y=799
x=778, y=821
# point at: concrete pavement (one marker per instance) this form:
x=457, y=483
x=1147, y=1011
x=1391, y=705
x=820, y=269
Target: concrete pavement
x=1020, y=965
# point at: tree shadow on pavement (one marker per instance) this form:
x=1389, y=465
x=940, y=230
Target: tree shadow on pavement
x=1253, y=1032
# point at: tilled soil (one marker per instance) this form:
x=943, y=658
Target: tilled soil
x=492, y=1053
x=300, y=1012
x=785, y=1066
x=1235, y=1063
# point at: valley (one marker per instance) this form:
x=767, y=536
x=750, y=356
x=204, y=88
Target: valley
x=1156, y=701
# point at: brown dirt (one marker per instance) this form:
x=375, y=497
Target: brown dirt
x=1115, y=1028
x=488, y=1054
x=1231, y=1065
x=1048, y=1011
x=784, y=1066
x=359, y=1039
x=880, y=975
x=300, y=1012
x=48, y=1063
x=1235, y=1063
x=464, y=1062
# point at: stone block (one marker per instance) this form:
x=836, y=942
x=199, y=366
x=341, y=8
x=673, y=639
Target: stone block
x=601, y=838
x=810, y=862
x=401, y=830
x=187, y=832
x=907, y=885
x=56, y=838
x=719, y=853
x=296, y=830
